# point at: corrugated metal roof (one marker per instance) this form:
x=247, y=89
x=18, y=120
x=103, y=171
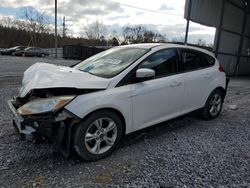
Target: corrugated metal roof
x=201, y=11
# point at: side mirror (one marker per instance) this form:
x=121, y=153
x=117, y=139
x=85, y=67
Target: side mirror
x=145, y=73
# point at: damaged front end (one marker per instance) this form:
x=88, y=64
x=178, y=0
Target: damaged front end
x=41, y=116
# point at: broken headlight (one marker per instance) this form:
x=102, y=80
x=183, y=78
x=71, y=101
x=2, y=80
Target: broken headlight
x=44, y=105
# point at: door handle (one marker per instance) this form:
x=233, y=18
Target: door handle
x=175, y=84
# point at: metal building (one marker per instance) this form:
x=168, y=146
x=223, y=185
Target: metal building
x=231, y=18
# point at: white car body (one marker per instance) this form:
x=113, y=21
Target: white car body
x=141, y=104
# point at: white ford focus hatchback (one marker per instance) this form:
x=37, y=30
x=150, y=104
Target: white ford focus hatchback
x=90, y=106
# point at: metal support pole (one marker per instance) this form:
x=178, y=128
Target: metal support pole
x=55, y=28
x=219, y=29
x=188, y=20
x=241, y=38
x=186, y=35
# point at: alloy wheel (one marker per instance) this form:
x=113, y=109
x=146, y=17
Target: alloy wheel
x=101, y=135
x=215, y=104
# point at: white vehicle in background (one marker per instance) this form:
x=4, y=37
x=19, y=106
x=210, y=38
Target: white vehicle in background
x=89, y=107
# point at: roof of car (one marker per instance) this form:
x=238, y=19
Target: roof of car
x=143, y=45
x=167, y=45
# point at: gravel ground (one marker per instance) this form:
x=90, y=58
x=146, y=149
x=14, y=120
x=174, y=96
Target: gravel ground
x=185, y=152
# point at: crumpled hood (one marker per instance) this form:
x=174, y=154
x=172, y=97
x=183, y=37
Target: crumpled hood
x=44, y=75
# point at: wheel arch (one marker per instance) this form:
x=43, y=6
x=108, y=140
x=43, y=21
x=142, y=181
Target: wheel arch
x=204, y=111
x=117, y=112
x=219, y=82
x=222, y=90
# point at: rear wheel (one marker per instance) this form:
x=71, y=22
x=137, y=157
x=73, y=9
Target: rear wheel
x=97, y=135
x=213, y=105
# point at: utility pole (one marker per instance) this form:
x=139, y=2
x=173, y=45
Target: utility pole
x=55, y=28
x=64, y=27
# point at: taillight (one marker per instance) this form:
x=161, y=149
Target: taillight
x=221, y=69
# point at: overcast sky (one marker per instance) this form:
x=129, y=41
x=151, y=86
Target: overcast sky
x=167, y=17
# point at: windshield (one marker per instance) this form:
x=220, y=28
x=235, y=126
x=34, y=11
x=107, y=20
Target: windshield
x=111, y=62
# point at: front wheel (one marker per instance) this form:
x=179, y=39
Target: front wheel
x=97, y=135
x=213, y=105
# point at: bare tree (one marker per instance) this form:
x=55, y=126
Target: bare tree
x=133, y=34
x=140, y=34
x=95, y=30
x=201, y=42
x=127, y=34
x=7, y=22
x=160, y=38
x=178, y=40
x=35, y=22
x=114, y=34
x=149, y=36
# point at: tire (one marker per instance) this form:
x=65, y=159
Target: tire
x=87, y=146
x=43, y=55
x=213, y=105
x=23, y=54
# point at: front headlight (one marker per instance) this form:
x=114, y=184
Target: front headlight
x=44, y=105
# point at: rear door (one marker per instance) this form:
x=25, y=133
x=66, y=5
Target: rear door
x=159, y=98
x=198, y=74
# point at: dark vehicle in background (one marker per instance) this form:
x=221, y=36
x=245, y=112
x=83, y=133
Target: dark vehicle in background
x=82, y=52
x=32, y=51
x=13, y=50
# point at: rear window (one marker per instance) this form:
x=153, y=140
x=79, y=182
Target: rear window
x=194, y=60
x=209, y=60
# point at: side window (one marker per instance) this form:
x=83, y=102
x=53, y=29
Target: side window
x=194, y=60
x=209, y=60
x=191, y=60
x=162, y=62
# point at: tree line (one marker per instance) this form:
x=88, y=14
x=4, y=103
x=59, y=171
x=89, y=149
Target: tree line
x=34, y=29
x=17, y=33
x=11, y=36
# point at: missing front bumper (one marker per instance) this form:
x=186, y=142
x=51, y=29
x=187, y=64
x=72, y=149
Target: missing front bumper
x=55, y=127
x=26, y=131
